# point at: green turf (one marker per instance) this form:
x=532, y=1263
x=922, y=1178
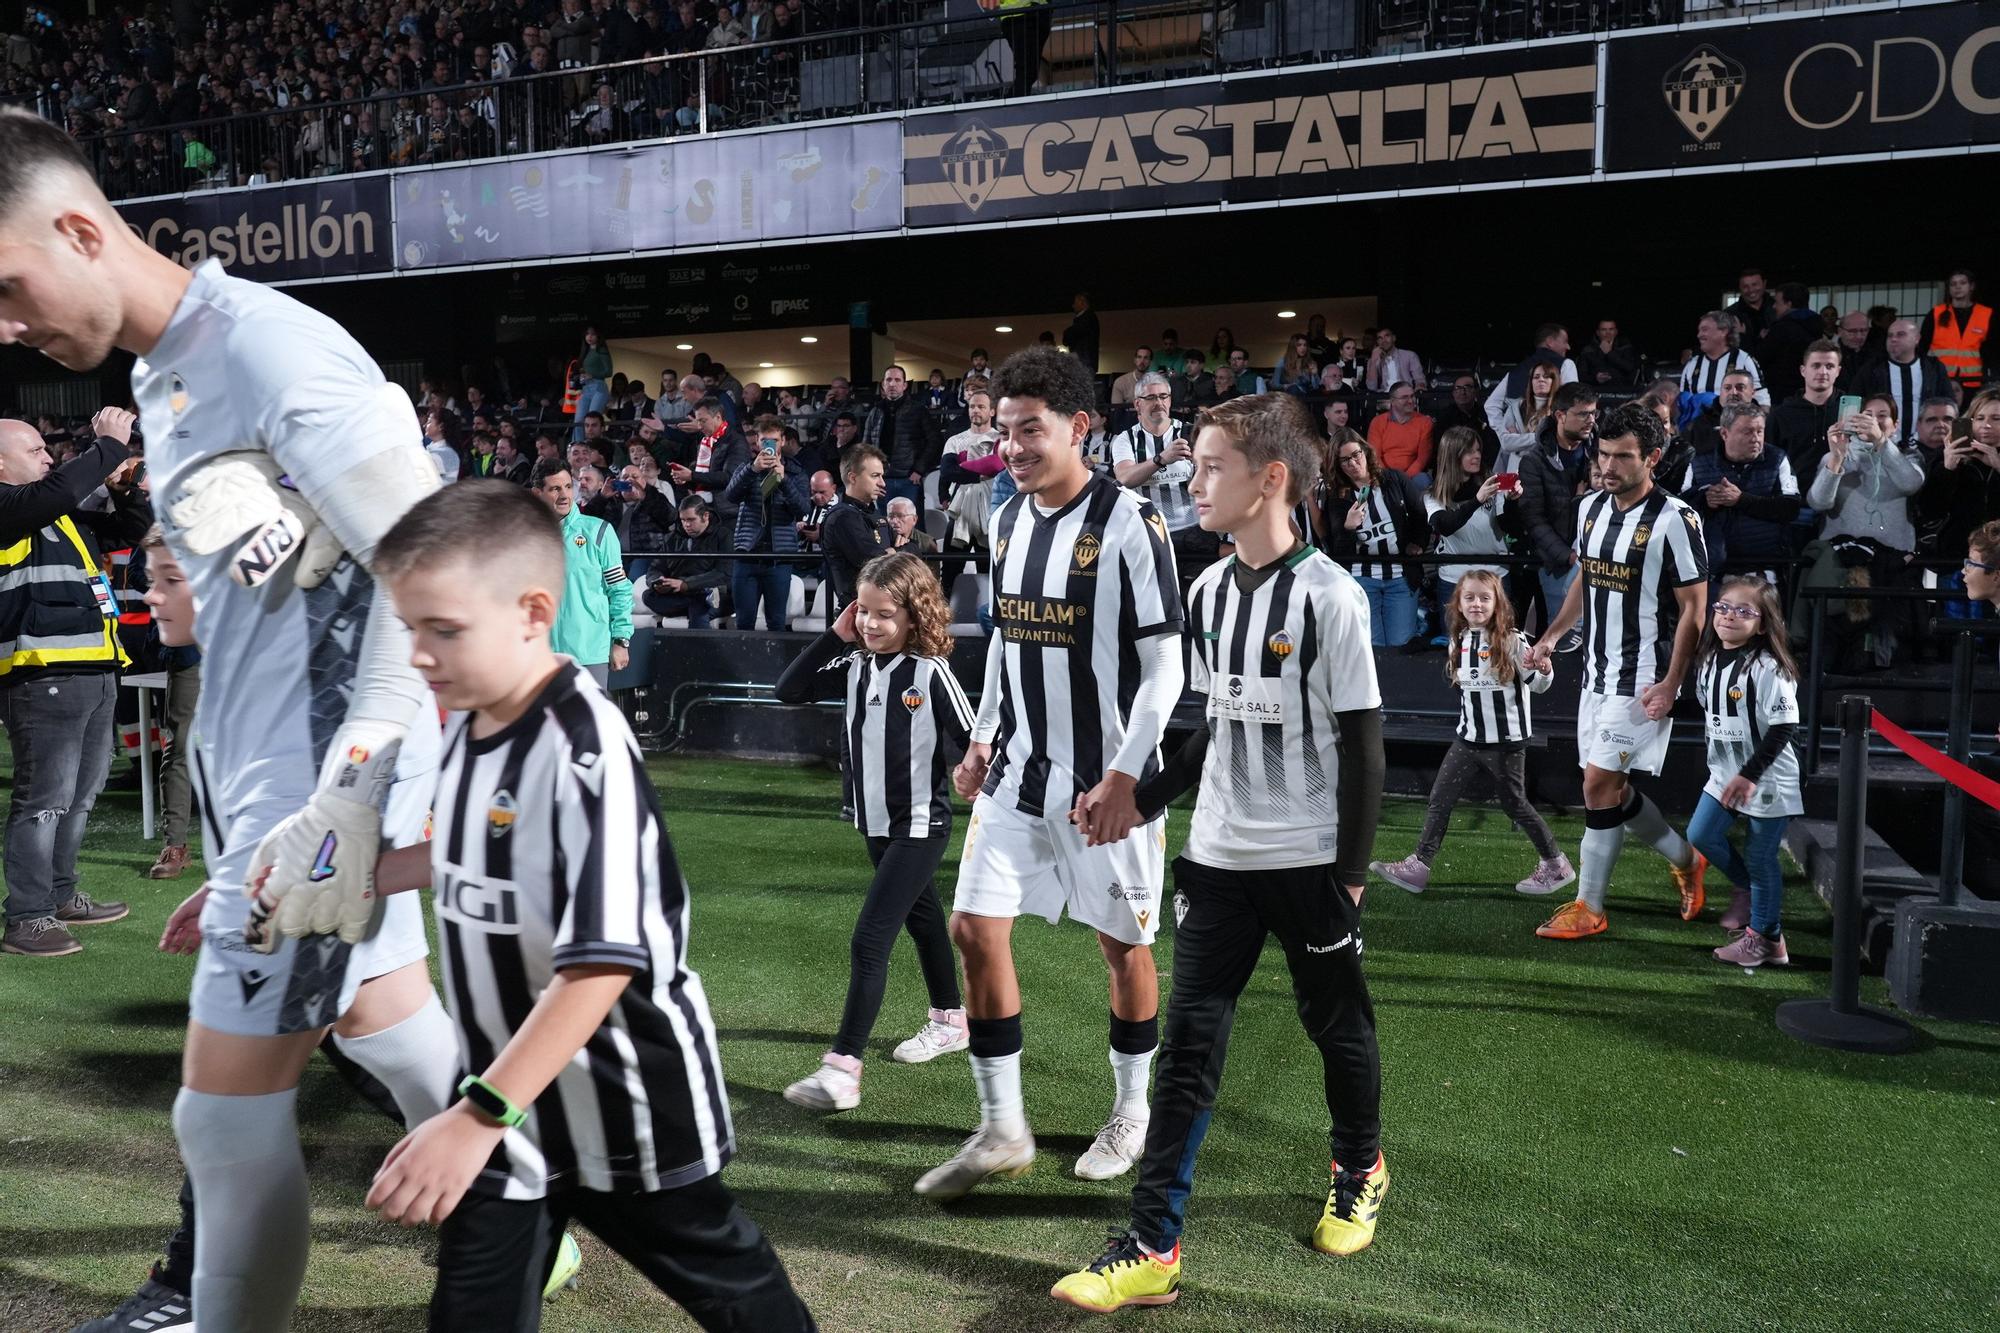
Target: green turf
x=1607, y=1135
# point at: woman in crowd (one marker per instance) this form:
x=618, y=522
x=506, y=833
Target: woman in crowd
x=1747, y=685
x=1862, y=486
x=1297, y=372
x=1373, y=516
x=1220, y=346
x=1468, y=511
x=1350, y=363
x=593, y=368
x=1488, y=662
x=906, y=713
x=1521, y=420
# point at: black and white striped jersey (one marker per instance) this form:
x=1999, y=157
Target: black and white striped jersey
x=1167, y=488
x=1376, y=538
x=551, y=853
x=1492, y=711
x=1631, y=562
x=907, y=722
x=1745, y=694
x=1074, y=592
x=1703, y=374
x=1278, y=651
x=1906, y=387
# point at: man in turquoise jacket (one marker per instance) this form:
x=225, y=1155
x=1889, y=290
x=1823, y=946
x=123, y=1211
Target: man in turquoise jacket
x=594, y=624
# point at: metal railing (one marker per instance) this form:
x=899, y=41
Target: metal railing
x=909, y=66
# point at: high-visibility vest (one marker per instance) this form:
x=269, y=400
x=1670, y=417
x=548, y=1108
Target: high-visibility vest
x=57, y=608
x=571, y=389
x=1958, y=346
x=131, y=597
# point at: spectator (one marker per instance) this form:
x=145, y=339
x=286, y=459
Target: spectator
x=1466, y=409
x=1718, y=353
x=58, y=681
x=1704, y=428
x=1338, y=414
x=1402, y=437
x=719, y=451
x=1200, y=384
x=1936, y=419
x=1956, y=331
x=594, y=622
x=1348, y=362
x=1746, y=493
x=1096, y=447
x=905, y=534
x=936, y=396
x=1390, y=365
x=1752, y=311
x=1469, y=512
x=481, y=461
x=1799, y=424
x=839, y=398
x=1296, y=372
x=1154, y=456
x=905, y=432
x=824, y=495
x=1225, y=385
x=1081, y=335
x=1319, y=346
x=1221, y=345
x=1551, y=349
x=1521, y=418
x=508, y=464
x=593, y=368
x=1552, y=476
x=1374, y=515
x=1609, y=357
x=1170, y=359
x=966, y=471
x=1124, y=388
x=679, y=583
x=546, y=447
x=980, y=369
x=440, y=426
x=854, y=531
x=1963, y=492
x=1794, y=326
x=594, y=496
x=1247, y=381
x=1862, y=488
x=1854, y=345
x=771, y=498
x=675, y=412
x=645, y=518
x=1900, y=372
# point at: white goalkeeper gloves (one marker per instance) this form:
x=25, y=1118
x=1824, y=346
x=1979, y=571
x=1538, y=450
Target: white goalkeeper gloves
x=314, y=874
x=242, y=501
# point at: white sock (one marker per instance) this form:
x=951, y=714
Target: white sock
x=250, y=1198
x=1132, y=1073
x=999, y=1079
x=1600, y=852
x=415, y=1060
x=1648, y=823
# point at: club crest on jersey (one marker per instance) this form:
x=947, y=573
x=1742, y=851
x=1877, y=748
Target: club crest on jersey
x=500, y=814
x=1087, y=550
x=913, y=699
x=430, y=825
x=1641, y=535
x=1280, y=644
x=177, y=394
x=579, y=539
x=1736, y=694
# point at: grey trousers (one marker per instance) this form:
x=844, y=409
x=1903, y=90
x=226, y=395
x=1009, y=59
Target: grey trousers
x=176, y=788
x=61, y=729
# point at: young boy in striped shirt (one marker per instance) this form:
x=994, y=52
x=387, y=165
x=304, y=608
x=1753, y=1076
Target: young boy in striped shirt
x=592, y=1085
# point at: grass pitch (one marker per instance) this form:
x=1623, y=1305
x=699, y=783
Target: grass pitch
x=1606, y=1135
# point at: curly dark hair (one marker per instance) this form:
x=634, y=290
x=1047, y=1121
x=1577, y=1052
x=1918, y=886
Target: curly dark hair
x=1638, y=421
x=1055, y=377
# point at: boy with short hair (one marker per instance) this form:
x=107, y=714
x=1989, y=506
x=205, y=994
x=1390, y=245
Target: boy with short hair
x=594, y=1085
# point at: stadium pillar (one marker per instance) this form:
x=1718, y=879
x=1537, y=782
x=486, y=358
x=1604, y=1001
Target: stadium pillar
x=1841, y=1022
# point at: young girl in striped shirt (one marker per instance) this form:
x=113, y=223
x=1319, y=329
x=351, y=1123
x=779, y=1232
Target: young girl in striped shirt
x=907, y=722
x=1486, y=660
x=1747, y=686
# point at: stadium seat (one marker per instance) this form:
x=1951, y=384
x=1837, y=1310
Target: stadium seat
x=968, y=594
x=937, y=523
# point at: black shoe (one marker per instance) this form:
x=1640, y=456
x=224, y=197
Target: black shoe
x=154, y=1307
x=81, y=911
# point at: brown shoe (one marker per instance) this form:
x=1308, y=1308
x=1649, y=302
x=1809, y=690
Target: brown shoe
x=39, y=937
x=81, y=911
x=173, y=860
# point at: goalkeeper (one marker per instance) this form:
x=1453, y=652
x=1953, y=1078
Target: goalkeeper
x=317, y=740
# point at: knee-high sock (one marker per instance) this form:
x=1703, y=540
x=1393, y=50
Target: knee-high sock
x=1646, y=822
x=996, y=1067
x=1603, y=838
x=414, y=1060
x=250, y=1195
x=1133, y=1042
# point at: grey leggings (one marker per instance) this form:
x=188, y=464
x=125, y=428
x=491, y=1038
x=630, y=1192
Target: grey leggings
x=1508, y=766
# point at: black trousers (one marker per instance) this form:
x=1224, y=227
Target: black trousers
x=693, y=1243
x=903, y=895
x=1217, y=940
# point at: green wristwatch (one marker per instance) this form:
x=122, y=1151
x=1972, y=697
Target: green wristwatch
x=490, y=1102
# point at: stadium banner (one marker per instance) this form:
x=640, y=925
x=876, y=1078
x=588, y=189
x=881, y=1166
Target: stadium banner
x=1839, y=84
x=1439, y=122
x=334, y=228
x=827, y=180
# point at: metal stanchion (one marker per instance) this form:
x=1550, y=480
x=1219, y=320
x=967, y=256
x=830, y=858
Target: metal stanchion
x=1958, y=744
x=1841, y=1021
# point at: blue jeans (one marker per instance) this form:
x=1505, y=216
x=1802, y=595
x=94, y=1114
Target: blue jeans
x=1392, y=610
x=772, y=581
x=1756, y=869
x=61, y=730
x=592, y=398
x=1555, y=587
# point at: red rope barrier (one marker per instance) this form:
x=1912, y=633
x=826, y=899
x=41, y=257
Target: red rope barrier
x=1957, y=774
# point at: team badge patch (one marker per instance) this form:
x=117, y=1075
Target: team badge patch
x=579, y=539
x=1087, y=550
x=1641, y=535
x=1736, y=694
x=1280, y=644
x=913, y=699
x=500, y=814
x=357, y=754
x=177, y=394
x=1180, y=908
x=430, y=825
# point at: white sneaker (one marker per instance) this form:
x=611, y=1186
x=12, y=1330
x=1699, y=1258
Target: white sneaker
x=834, y=1086
x=1118, y=1146
x=979, y=1159
x=1548, y=877
x=944, y=1033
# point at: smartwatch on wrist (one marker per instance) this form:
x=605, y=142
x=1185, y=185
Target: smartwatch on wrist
x=490, y=1102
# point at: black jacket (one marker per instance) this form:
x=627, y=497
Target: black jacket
x=648, y=524
x=904, y=429
x=1783, y=351
x=1081, y=339
x=26, y=510
x=1549, y=477
x=1955, y=502
x=1621, y=363
x=851, y=536
x=1406, y=506
x=1799, y=428
x=695, y=561
x=1932, y=382
x=729, y=452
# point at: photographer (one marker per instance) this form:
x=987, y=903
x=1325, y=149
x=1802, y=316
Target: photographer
x=59, y=678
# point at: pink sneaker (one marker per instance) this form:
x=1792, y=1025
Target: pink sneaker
x=834, y=1086
x=1548, y=877
x=1408, y=873
x=1752, y=950
x=945, y=1032
x=1738, y=915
